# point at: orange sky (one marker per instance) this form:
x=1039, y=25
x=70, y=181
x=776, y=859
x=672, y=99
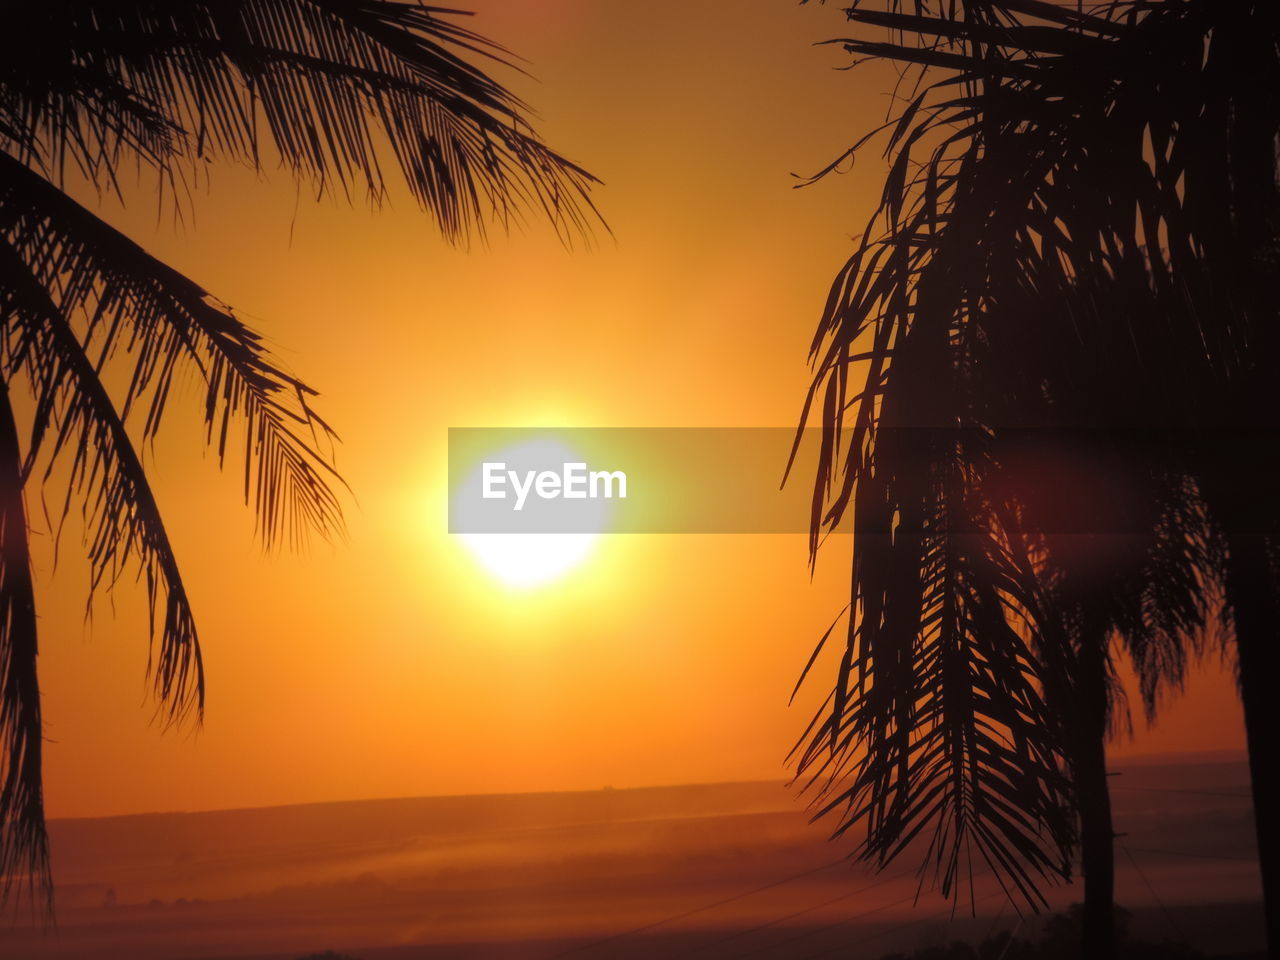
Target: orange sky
x=393, y=665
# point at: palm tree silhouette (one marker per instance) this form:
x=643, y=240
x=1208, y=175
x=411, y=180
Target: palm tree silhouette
x=1079, y=228
x=1112, y=539
x=339, y=92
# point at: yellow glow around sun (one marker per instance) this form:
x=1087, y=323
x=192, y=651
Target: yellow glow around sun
x=521, y=560
x=524, y=560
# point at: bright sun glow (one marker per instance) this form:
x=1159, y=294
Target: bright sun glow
x=526, y=560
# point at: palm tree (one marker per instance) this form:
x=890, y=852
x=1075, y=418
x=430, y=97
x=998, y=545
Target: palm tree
x=1091, y=186
x=337, y=92
x=1120, y=548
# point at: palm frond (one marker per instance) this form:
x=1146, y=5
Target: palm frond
x=336, y=92
x=122, y=520
x=940, y=737
x=1022, y=257
x=138, y=307
x=336, y=88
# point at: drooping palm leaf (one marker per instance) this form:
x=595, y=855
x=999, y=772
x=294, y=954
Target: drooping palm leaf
x=136, y=305
x=1022, y=256
x=334, y=91
x=335, y=88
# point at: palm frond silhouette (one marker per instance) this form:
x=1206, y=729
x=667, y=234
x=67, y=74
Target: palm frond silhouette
x=338, y=93
x=1074, y=243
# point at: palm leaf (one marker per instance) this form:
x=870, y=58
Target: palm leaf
x=122, y=520
x=1001, y=262
x=135, y=305
x=337, y=89
x=337, y=92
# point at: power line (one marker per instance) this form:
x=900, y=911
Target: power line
x=831, y=926
x=1155, y=896
x=1202, y=793
x=852, y=893
x=693, y=912
x=850, y=944
x=1013, y=936
x=1198, y=856
x=798, y=913
x=914, y=897
x=995, y=921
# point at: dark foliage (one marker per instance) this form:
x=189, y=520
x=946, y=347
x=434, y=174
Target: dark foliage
x=1053, y=315
x=337, y=93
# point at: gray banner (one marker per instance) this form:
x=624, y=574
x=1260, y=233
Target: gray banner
x=627, y=480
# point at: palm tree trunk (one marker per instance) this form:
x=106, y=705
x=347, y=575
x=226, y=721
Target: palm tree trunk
x=24, y=847
x=1251, y=595
x=1097, y=854
x=1093, y=801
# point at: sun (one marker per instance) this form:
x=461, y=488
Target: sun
x=525, y=560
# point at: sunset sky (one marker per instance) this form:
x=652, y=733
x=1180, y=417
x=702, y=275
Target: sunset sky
x=393, y=664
